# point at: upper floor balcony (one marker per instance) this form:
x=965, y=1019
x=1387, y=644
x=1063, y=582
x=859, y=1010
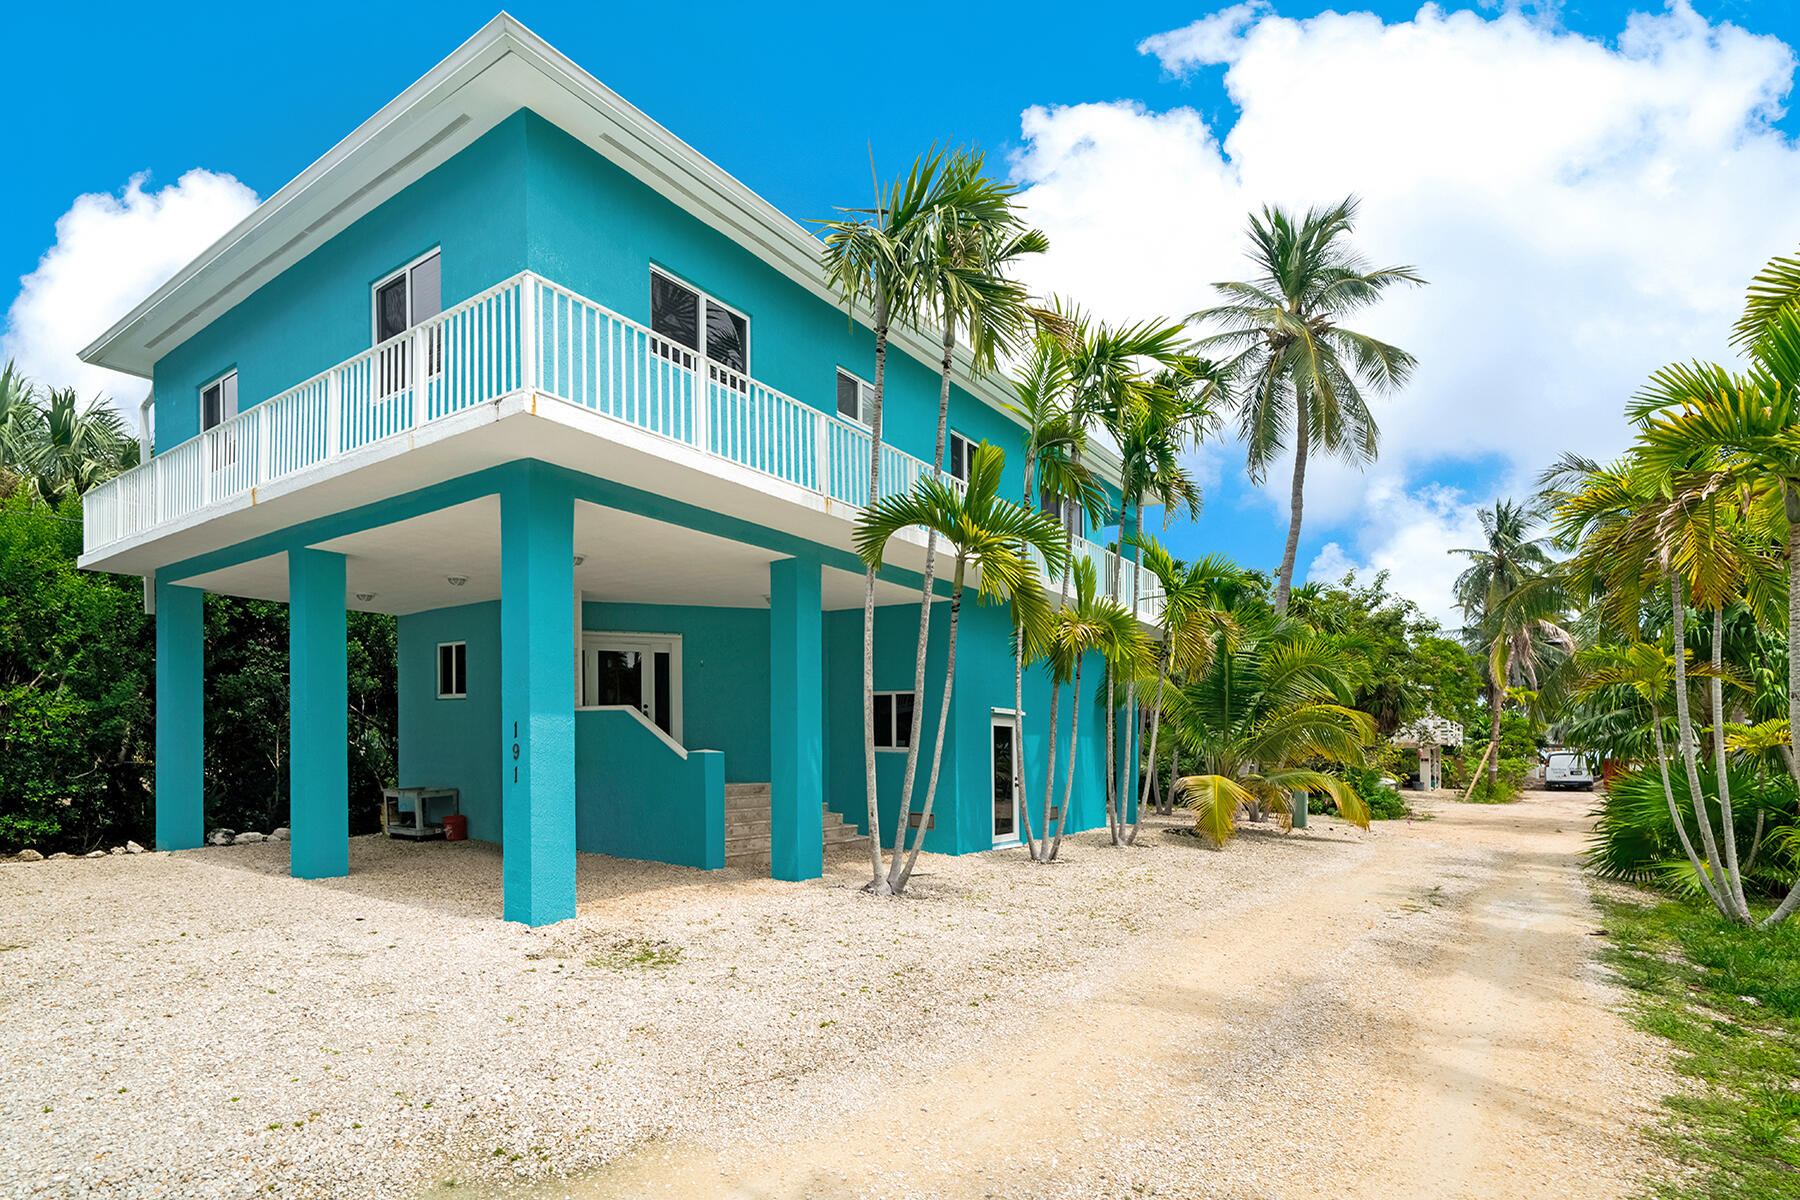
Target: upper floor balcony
x=524, y=346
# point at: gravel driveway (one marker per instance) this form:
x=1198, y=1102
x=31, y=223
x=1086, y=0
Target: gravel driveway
x=1409, y=1012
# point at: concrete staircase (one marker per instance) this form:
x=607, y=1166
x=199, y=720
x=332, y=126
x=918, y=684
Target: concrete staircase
x=747, y=827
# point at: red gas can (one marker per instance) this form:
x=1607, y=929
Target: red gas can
x=456, y=828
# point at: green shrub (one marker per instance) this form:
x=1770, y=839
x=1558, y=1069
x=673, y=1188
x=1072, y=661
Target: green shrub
x=1501, y=787
x=1634, y=840
x=1385, y=804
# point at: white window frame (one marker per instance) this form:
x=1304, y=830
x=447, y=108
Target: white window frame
x=403, y=273
x=865, y=397
x=893, y=745
x=950, y=455
x=200, y=398
x=706, y=298
x=437, y=665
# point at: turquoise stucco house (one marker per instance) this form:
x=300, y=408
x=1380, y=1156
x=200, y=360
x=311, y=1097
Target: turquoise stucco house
x=513, y=363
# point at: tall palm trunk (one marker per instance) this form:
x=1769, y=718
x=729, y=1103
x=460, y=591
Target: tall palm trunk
x=1791, y=500
x=1662, y=758
x=1127, y=832
x=1727, y=826
x=1162, y=674
x=1168, y=805
x=1019, y=771
x=1110, y=714
x=878, y=883
x=1684, y=734
x=1043, y=853
x=925, y=598
x=1296, y=501
x=1062, y=813
x=902, y=874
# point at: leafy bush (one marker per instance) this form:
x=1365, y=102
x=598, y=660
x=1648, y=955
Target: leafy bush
x=1634, y=839
x=1502, y=786
x=1385, y=804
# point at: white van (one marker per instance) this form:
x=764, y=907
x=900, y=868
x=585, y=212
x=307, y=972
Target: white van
x=1568, y=769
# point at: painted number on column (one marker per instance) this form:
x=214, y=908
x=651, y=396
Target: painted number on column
x=515, y=752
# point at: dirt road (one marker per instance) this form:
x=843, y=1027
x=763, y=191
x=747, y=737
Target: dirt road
x=1431, y=1023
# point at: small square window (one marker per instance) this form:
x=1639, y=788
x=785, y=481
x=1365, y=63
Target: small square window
x=893, y=720
x=855, y=399
x=682, y=314
x=674, y=311
x=962, y=453
x=219, y=400
x=453, y=670
x=409, y=297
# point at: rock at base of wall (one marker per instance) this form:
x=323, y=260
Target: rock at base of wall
x=220, y=837
x=117, y=850
x=133, y=848
x=95, y=854
x=61, y=854
x=279, y=835
x=30, y=856
x=246, y=839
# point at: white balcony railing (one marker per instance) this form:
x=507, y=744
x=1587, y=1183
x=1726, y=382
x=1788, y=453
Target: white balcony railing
x=523, y=334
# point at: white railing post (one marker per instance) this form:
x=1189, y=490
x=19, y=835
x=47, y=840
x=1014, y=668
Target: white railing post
x=703, y=394
x=528, y=332
x=415, y=369
x=334, y=411
x=822, y=452
x=264, y=432
x=209, y=445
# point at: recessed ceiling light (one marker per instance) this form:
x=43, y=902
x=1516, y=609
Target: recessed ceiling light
x=365, y=597
x=457, y=580
x=580, y=558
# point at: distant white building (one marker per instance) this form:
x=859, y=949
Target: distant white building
x=1429, y=735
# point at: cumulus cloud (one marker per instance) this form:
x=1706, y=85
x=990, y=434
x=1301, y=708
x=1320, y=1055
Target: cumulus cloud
x=1407, y=533
x=1586, y=210
x=111, y=251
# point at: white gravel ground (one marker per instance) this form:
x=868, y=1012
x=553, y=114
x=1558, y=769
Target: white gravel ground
x=198, y=1024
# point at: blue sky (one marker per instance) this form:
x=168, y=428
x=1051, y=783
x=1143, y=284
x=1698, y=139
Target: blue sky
x=792, y=109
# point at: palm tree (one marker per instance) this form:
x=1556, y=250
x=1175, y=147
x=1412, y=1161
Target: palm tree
x=974, y=237
x=877, y=256
x=997, y=538
x=1297, y=367
x=21, y=428
x=1094, y=623
x=1173, y=416
x=1268, y=708
x=82, y=445
x=1508, y=601
x=1193, y=613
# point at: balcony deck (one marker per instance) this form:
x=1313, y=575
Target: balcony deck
x=419, y=400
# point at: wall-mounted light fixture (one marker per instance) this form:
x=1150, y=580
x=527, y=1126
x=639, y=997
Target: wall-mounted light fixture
x=456, y=580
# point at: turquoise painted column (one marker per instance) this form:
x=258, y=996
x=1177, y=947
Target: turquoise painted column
x=318, y=717
x=537, y=698
x=180, y=720
x=796, y=721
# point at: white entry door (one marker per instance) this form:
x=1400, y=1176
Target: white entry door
x=1005, y=761
x=639, y=669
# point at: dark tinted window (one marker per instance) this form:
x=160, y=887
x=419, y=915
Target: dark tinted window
x=390, y=309
x=675, y=311
x=849, y=397
x=453, y=669
x=903, y=718
x=960, y=450
x=727, y=338
x=884, y=720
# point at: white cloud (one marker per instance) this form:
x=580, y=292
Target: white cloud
x=1586, y=211
x=1407, y=533
x=111, y=251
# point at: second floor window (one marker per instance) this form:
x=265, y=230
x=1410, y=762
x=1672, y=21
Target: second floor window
x=855, y=399
x=409, y=296
x=962, y=451
x=680, y=313
x=218, y=401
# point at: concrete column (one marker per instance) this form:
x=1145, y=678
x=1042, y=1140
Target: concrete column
x=537, y=705
x=796, y=721
x=180, y=707
x=318, y=717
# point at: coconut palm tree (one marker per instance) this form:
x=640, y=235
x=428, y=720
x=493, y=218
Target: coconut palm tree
x=1094, y=623
x=81, y=445
x=1268, y=708
x=1193, y=614
x=1297, y=369
x=1509, y=601
x=21, y=428
x=1002, y=541
x=975, y=237
x=877, y=256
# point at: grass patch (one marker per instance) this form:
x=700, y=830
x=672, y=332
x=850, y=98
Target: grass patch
x=637, y=954
x=1729, y=1000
